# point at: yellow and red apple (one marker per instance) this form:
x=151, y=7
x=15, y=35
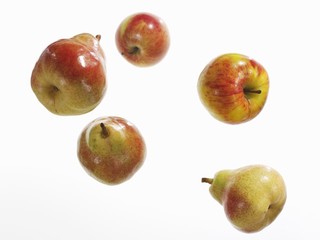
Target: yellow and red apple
x=69, y=77
x=143, y=39
x=233, y=88
x=111, y=149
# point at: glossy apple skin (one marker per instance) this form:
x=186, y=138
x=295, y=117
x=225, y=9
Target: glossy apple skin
x=252, y=196
x=115, y=157
x=233, y=88
x=143, y=39
x=69, y=77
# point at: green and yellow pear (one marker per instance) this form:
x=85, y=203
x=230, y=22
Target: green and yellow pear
x=252, y=196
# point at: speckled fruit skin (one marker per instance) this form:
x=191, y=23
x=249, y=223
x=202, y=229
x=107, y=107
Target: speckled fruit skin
x=252, y=196
x=69, y=77
x=143, y=39
x=233, y=88
x=111, y=149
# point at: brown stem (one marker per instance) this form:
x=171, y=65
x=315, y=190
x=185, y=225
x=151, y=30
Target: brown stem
x=251, y=91
x=207, y=180
x=104, y=131
x=98, y=37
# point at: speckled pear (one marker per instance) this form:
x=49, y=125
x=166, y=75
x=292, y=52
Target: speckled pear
x=252, y=196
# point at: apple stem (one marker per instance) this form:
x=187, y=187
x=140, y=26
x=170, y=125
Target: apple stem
x=252, y=91
x=207, y=180
x=104, y=132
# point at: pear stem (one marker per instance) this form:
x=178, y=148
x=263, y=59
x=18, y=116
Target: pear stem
x=104, y=131
x=98, y=37
x=207, y=180
x=252, y=91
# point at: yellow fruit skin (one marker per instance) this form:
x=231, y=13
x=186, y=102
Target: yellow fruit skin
x=252, y=196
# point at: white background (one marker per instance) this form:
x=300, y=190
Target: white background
x=46, y=194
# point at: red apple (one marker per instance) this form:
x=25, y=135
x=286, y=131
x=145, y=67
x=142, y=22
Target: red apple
x=69, y=77
x=233, y=88
x=111, y=149
x=143, y=39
